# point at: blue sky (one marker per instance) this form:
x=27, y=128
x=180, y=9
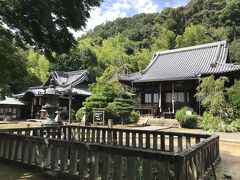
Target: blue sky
x=112, y=9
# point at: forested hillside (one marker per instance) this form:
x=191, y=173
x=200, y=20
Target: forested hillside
x=127, y=44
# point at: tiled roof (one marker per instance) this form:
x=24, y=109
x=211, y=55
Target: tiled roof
x=64, y=79
x=11, y=101
x=64, y=82
x=186, y=63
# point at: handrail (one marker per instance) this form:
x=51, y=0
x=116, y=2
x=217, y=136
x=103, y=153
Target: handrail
x=112, y=129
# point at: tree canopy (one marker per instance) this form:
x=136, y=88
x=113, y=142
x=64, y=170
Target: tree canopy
x=45, y=24
x=125, y=44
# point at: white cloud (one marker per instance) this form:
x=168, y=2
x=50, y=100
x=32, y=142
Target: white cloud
x=112, y=10
x=180, y=3
x=144, y=6
x=167, y=4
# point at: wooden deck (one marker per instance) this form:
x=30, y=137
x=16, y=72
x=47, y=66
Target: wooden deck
x=102, y=153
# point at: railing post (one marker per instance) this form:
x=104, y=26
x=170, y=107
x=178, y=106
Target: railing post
x=98, y=135
x=140, y=138
x=88, y=135
x=54, y=155
x=94, y=164
x=147, y=169
x=46, y=154
x=73, y=160
x=127, y=138
x=188, y=141
x=133, y=139
x=109, y=137
x=148, y=140
x=93, y=136
x=131, y=168
x=31, y=150
x=180, y=145
x=117, y=174
x=106, y=163
x=162, y=142
x=83, y=162
x=18, y=149
x=155, y=141
x=180, y=168
x=63, y=158
x=103, y=136
x=114, y=137
x=120, y=137
x=171, y=143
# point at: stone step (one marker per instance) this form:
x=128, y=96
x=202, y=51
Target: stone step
x=161, y=122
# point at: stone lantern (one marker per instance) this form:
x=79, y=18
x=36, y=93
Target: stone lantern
x=51, y=105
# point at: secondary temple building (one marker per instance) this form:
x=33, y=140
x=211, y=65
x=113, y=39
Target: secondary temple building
x=73, y=87
x=10, y=107
x=169, y=82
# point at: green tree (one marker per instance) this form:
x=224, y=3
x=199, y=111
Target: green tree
x=95, y=101
x=193, y=35
x=14, y=76
x=163, y=39
x=214, y=94
x=143, y=58
x=45, y=24
x=234, y=51
x=229, y=16
x=37, y=65
x=204, y=12
x=122, y=108
x=107, y=85
x=77, y=59
x=220, y=33
x=234, y=98
x=172, y=19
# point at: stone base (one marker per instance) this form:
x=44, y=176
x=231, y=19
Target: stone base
x=50, y=124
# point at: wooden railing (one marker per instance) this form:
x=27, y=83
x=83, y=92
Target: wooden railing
x=90, y=152
x=156, y=140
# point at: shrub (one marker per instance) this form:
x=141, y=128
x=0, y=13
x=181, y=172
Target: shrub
x=185, y=120
x=121, y=108
x=134, y=117
x=236, y=124
x=80, y=113
x=215, y=124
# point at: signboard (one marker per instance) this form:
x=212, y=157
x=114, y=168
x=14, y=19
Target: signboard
x=98, y=116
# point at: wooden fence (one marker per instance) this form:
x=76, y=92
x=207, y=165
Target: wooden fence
x=103, y=153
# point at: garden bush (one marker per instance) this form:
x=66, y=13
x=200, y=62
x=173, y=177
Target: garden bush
x=187, y=120
x=236, y=124
x=215, y=124
x=80, y=113
x=134, y=117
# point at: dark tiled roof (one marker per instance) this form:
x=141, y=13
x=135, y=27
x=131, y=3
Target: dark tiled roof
x=186, y=63
x=64, y=79
x=64, y=82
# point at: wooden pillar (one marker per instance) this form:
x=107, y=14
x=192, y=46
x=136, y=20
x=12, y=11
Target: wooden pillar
x=160, y=98
x=70, y=105
x=4, y=112
x=173, y=98
x=69, y=108
x=103, y=118
x=32, y=108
